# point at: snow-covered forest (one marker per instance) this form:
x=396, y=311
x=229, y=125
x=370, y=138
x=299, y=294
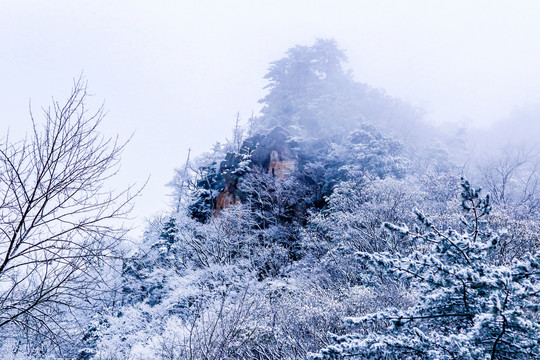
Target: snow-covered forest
x=337, y=224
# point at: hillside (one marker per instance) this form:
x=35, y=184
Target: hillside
x=261, y=259
x=338, y=224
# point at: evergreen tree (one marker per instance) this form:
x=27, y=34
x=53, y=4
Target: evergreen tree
x=311, y=95
x=468, y=307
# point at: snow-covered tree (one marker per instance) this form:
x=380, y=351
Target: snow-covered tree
x=467, y=308
x=59, y=226
x=310, y=94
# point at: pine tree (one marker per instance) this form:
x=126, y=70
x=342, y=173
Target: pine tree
x=468, y=307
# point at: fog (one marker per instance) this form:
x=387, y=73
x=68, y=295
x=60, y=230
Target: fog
x=175, y=73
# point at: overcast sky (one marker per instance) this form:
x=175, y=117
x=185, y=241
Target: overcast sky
x=176, y=72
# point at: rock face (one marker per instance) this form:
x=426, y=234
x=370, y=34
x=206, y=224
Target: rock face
x=226, y=199
x=274, y=154
x=233, y=168
x=281, y=167
x=271, y=153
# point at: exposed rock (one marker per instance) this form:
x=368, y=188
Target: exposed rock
x=281, y=167
x=271, y=153
x=226, y=199
x=275, y=140
x=274, y=154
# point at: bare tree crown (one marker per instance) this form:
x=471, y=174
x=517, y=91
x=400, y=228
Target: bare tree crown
x=58, y=223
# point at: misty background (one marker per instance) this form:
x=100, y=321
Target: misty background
x=175, y=73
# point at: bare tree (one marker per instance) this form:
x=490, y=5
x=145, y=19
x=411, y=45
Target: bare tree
x=513, y=179
x=58, y=224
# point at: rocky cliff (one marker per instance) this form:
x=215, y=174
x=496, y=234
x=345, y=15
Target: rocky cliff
x=271, y=153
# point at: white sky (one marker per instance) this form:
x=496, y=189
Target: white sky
x=176, y=72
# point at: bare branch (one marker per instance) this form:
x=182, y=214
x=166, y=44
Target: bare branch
x=59, y=226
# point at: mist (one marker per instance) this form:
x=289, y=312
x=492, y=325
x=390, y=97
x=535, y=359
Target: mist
x=166, y=70
x=277, y=180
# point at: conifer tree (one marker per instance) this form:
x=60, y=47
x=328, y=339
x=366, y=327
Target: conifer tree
x=468, y=307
